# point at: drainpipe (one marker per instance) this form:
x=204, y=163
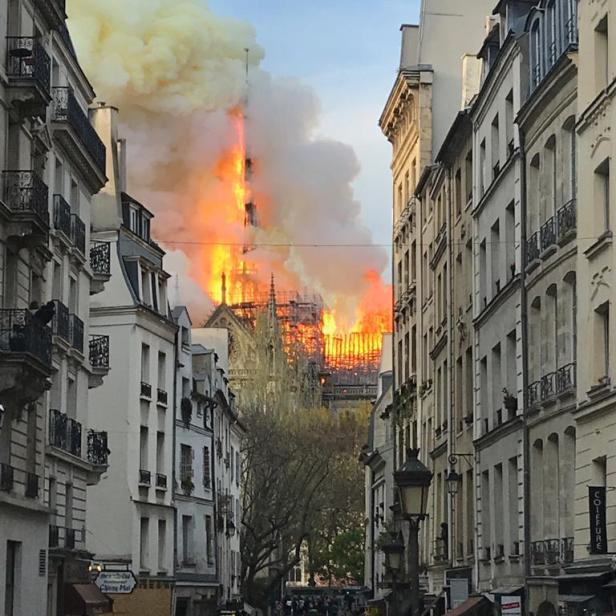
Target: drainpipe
x=176, y=365
x=523, y=300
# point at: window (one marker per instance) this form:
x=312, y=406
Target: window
x=469, y=381
x=237, y=468
x=509, y=124
x=145, y=227
x=485, y=511
x=133, y=221
x=495, y=259
x=551, y=33
x=144, y=543
x=602, y=65
x=187, y=539
x=143, y=448
x=458, y=192
x=482, y=168
x=603, y=346
x=497, y=394
x=145, y=363
x=207, y=477
x=162, y=370
x=162, y=544
x=535, y=53
x=602, y=195
x=71, y=397
x=154, y=290
x=468, y=177
x=11, y=577
x=513, y=502
x=186, y=458
x=209, y=549
x=160, y=452
x=495, y=147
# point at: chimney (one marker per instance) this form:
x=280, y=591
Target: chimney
x=471, y=78
x=122, y=171
x=409, y=52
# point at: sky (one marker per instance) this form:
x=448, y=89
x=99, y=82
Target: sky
x=348, y=51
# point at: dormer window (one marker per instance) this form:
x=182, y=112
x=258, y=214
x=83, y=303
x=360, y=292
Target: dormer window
x=133, y=221
x=145, y=227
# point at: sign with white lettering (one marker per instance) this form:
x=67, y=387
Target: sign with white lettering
x=511, y=606
x=596, y=512
x=116, y=582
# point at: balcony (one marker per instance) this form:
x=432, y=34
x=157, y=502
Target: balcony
x=532, y=249
x=567, y=221
x=548, y=237
x=161, y=481
x=533, y=394
x=551, y=550
x=440, y=243
x=54, y=12
x=566, y=546
x=78, y=234
x=161, y=396
x=537, y=553
x=25, y=204
x=60, y=322
x=32, y=485
x=146, y=390
x=72, y=126
x=62, y=216
x=565, y=379
x=76, y=332
x=25, y=359
x=546, y=386
x=145, y=478
x=100, y=264
x=6, y=477
x=99, y=352
x=65, y=538
x=98, y=451
x=28, y=69
x=64, y=433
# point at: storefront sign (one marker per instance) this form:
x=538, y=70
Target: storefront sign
x=511, y=606
x=116, y=582
x=596, y=511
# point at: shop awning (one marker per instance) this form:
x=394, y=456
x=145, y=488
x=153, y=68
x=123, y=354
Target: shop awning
x=594, y=575
x=575, y=598
x=86, y=599
x=467, y=607
x=507, y=590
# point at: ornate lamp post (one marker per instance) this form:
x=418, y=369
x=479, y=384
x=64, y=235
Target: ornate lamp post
x=413, y=481
x=393, y=551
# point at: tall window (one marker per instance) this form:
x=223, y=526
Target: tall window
x=144, y=543
x=162, y=544
x=186, y=459
x=207, y=475
x=551, y=33
x=602, y=194
x=535, y=53
x=603, y=334
x=458, y=191
x=143, y=448
x=509, y=123
x=145, y=363
x=495, y=146
x=11, y=577
x=209, y=539
x=602, y=64
x=162, y=370
x=482, y=168
x=187, y=539
x=160, y=452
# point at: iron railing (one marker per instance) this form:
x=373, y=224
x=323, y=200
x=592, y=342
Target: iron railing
x=99, y=351
x=548, y=234
x=145, y=477
x=6, y=477
x=26, y=59
x=565, y=378
x=62, y=215
x=60, y=322
x=161, y=481
x=25, y=193
x=64, y=432
x=532, y=248
x=533, y=393
x=537, y=552
x=98, y=451
x=567, y=549
x=547, y=386
x=20, y=332
x=161, y=396
x=67, y=109
x=100, y=258
x=78, y=233
x=32, y=485
x=567, y=220
x=76, y=332
x=552, y=551
x=146, y=389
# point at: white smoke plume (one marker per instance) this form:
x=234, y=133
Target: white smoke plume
x=175, y=70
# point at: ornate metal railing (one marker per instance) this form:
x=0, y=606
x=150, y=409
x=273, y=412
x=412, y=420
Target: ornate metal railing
x=567, y=220
x=571, y=30
x=146, y=389
x=161, y=481
x=161, y=396
x=27, y=59
x=552, y=551
x=24, y=192
x=537, y=552
x=547, y=386
x=67, y=109
x=61, y=215
x=100, y=258
x=145, y=477
x=60, y=322
x=98, y=451
x=533, y=395
x=6, y=477
x=565, y=378
x=548, y=234
x=21, y=333
x=76, y=332
x=566, y=545
x=64, y=432
x=78, y=233
x=32, y=485
x=532, y=248
x=99, y=351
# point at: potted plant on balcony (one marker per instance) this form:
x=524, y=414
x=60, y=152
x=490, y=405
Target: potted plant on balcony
x=510, y=401
x=186, y=409
x=187, y=485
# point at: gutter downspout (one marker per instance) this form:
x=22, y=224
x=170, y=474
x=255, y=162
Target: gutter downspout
x=174, y=449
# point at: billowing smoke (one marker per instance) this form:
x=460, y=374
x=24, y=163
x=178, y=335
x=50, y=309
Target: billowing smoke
x=176, y=71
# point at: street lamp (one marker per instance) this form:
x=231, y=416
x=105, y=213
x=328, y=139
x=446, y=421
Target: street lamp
x=393, y=551
x=412, y=482
x=453, y=480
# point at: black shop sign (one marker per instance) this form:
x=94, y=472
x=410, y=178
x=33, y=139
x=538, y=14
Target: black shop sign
x=596, y=510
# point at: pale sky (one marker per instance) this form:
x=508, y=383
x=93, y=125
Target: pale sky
x=348, y=51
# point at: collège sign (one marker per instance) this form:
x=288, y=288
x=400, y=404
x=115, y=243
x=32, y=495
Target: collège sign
x=116, y=582
x=596, y=511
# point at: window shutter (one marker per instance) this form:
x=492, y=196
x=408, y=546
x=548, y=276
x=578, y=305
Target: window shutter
x=42, y=563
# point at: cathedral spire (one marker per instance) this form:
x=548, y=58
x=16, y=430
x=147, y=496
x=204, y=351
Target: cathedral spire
x=271, y=302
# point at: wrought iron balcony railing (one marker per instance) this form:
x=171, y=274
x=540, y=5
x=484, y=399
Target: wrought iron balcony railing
x=32, y=485
x=20, y=332
x=161, y=396
x=98, y=451
x=99, y=352
x=76, y=332
x=54, y=536
x=537, y=552
x=532, y=248
x=161, y=481
x=533, y=393
x=566, y=549
x=547, y=386
x=6, y=477
x=565, y=378
x=60, y=322
x=62, y=215
x=567, y=220
x=548, y=234
x=146, y=389
x=64, y=432
x=78, y=233
x=67, y=109
x=24, y=192
x=100, y=258
x=27, y=60
x=145, y=477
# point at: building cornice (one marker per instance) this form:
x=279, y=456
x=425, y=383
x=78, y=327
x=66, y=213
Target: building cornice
x=493, y=436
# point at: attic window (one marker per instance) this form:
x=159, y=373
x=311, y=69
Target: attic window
x=133, y=220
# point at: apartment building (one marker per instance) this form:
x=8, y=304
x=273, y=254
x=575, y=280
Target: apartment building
x=54, y=163
x=194, y=494
x=130, y=512
x=547, y=135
